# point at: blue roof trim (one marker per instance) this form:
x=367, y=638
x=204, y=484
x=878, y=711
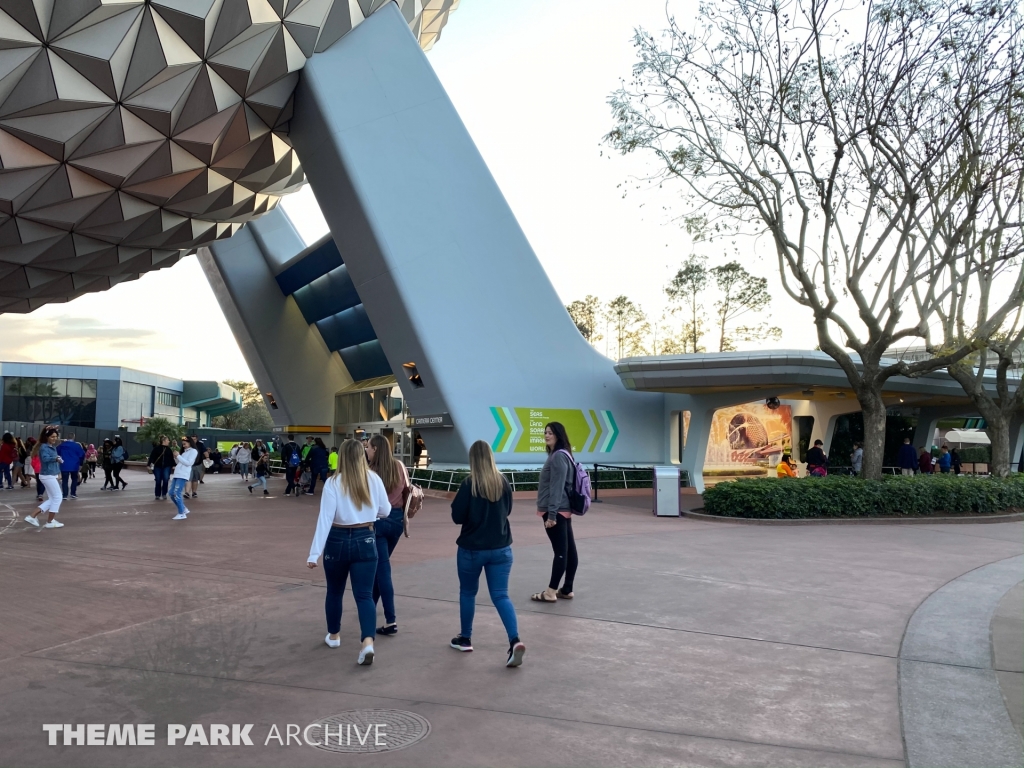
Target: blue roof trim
x=321, y=286
x=327, y=295
x=346, y=329
x=321, y=259
x=365, y=361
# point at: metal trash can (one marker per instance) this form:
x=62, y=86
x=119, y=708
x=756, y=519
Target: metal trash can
x=666, y=491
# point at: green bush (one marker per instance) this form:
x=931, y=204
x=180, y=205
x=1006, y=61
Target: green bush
x=837, y=496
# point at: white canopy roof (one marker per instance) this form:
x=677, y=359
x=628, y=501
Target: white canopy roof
x=976, y=436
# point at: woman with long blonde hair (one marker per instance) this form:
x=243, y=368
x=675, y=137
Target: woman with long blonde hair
x=352, y=500
x=396, y=481
x=481, y=507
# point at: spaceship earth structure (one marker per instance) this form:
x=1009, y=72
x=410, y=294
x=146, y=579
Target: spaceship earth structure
x=133, y=132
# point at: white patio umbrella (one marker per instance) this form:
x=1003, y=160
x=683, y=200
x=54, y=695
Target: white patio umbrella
x=970, y=436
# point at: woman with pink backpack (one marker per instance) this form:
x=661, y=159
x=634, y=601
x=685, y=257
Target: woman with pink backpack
x=557, y=480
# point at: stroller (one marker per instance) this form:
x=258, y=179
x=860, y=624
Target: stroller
x=303, y=477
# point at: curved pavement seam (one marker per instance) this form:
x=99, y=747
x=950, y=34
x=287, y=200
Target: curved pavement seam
x=952, y=712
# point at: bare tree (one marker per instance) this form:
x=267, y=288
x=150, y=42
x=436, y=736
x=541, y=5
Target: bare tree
x=586, y=314
x=741, y=293
x=994, y=273
x=777, y=119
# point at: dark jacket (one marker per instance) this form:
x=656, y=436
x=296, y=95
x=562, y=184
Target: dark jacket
x=907, y=457
x=484, y=523
x=924, y=462
x=556, y=478
x=162, y=456
x=317, y=457
x=816, y=458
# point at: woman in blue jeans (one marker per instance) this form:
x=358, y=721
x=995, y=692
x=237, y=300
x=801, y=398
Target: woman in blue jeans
x=352, y=500
x=481, y=507
x=161, y=461
x=396, y=480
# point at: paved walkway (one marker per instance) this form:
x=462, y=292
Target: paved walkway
x=689, y=643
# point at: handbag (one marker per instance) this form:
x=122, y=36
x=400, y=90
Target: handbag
x=413, y=503
x=207, y=463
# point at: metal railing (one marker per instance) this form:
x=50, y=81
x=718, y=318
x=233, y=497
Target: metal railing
x=603, y=476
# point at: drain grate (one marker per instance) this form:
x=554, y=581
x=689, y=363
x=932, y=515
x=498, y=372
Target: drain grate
x=369, y=730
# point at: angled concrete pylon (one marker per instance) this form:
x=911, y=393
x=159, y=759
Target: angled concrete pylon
x=460, y=304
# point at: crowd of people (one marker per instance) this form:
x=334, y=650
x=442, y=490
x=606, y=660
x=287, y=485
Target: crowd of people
x=364, y=509
x=21, y=466
x=910, y=460
x=365, y=503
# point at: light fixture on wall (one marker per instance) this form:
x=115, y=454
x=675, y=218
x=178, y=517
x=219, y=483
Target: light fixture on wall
x=413, y=375
x=772, y=403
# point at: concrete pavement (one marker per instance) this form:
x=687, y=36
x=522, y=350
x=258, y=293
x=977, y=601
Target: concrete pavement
x=689, y=643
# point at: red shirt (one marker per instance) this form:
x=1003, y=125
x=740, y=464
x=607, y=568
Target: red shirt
x=8, y=453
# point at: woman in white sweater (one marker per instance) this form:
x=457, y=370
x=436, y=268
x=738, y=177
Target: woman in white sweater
x=182, y=472
x=353, y=498
x=243, y=457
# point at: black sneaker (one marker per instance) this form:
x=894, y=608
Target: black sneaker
x=249, y=487
x=461, y=643
x=516, y=651
x=266, y=493
x=392, y=629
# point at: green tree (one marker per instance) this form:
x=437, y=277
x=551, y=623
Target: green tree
x=740, y=294
x=628, y=327
x=586, y=314
x=855, y=138
x=158, y=425
x=686, y=291
x=253, y=416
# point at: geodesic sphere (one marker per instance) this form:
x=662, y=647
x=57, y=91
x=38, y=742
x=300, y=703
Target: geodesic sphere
x=133, y=132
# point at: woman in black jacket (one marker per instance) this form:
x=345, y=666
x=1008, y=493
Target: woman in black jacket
x=556, y=479
x=481, y=507
x=161, y=461
x=105, y=451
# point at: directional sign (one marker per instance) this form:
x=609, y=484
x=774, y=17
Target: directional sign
x=521, y=430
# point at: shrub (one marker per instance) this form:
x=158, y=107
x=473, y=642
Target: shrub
x=851, y=497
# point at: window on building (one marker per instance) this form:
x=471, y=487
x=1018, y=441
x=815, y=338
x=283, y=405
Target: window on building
x=136, y=400
x=172, y=399
x=70, y=402
x=372, y=406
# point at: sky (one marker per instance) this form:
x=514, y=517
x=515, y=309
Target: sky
x=531, y=81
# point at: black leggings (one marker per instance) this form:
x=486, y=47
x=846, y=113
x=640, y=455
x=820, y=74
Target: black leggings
x=564, y=546
x=107, y=479
x=116, y=471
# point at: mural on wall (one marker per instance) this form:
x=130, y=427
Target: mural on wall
x=747, y=436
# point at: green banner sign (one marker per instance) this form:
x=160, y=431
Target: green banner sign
x=521, y=430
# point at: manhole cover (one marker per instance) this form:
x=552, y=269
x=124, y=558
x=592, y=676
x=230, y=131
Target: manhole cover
x=368, y=730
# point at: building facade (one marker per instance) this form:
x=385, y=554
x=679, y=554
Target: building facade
x=107, y=397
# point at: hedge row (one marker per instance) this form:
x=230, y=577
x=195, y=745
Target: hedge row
x=850, y=497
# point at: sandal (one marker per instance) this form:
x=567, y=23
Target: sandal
x=541, y=597
x=565, y=595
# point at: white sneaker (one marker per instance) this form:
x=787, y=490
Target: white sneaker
x=54, y=524
x=180, y=517
x=366, y=656
x=31, y=520
x=333, y=643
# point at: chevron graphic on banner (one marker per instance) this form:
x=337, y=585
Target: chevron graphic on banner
x=521, y=430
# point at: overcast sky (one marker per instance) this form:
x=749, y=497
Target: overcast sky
x=531, y=80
